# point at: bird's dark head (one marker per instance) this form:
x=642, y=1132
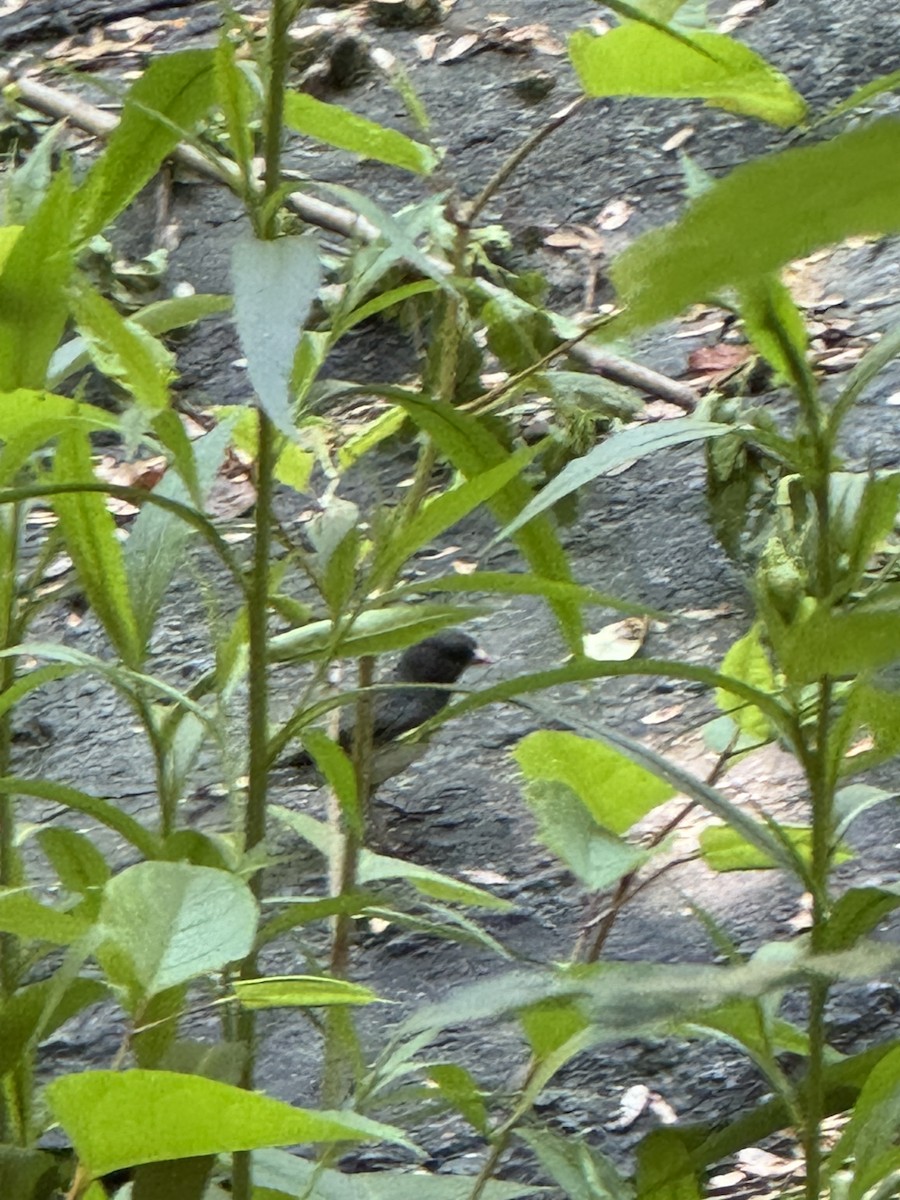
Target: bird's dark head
x=441, y=658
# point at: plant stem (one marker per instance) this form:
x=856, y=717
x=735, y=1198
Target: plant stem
x=277, y=51
x=258, y=728
x=14, y=1102
x=258, y=602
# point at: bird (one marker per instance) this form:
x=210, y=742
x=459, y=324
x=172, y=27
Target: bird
x=439, y=659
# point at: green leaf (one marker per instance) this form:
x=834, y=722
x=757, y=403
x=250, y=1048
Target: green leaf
x=30, y=419
x=842, y=1082
x=159, y=317
x=772, y=319
x=339, y=772
x=303, y=912
x=25, y=917
x=663, y=768
x=444, y=924
x=870, y=1137
x=173, y=93
x=664, y=1168
x=91, y=539
x=167, y=923
x=473, y=449
x=748, y=661
x=275, y=284
x=761, y=216
x=123, y=350
x=875, y=87
x=639, y=60
x=286, y=1175
x=400, y=243
x=32, y=1174
x=300, y=991
x=590, y=393
x=609, y=455
x=119, y=1119
x=875, y=711
x=29, y=682
x=156, y=547
x=377, y=304
x=78, y=863
x=863, y=512
x=33, y=301
x=582, y=1172
x=857, y=913
x=518, y=333
x=566, y=826
x=375, y=632
x=444, y=511
x=370, y=436
x=27, y=185
x=103, y=811
x=348, y=131
x=508, y=583
x=554, y=1028
x=37, y=1010
x=238, y=102
x=868, y=368
x=725, y=849
x=843, y=643
x=850, y=802
x=460, y=1090
x=374, y=867
x=624, y=999
x=616, y=791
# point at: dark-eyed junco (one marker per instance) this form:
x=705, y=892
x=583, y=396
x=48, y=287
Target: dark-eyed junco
x=440, y=659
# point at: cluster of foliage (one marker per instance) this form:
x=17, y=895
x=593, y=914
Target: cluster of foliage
x=181, y=1115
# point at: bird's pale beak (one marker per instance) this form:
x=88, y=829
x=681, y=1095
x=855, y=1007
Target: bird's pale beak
x=481, y=658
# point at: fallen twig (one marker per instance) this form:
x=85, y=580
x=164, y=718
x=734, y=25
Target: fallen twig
x=64, y=106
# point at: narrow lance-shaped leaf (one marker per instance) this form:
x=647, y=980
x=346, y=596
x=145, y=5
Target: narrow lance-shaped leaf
x=238, y=103
x=444, y=511
x=392, y=628
x=33, y=302
x=348, y=131
x=610, y=454
x=123, y=350
x=102, y=811
x=159, y=537
x=510, y=583
x=120, y=1119
x=90, y=534
x=473, y=449
x=174, y=92
x=771, y=318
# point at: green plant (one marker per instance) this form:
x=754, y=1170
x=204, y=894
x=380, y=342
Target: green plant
x=183, y=927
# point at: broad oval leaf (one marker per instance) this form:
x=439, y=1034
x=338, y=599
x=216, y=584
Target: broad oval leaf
x=640, y=60
x=167, y=922
x=615, y=790
x=761, y=216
